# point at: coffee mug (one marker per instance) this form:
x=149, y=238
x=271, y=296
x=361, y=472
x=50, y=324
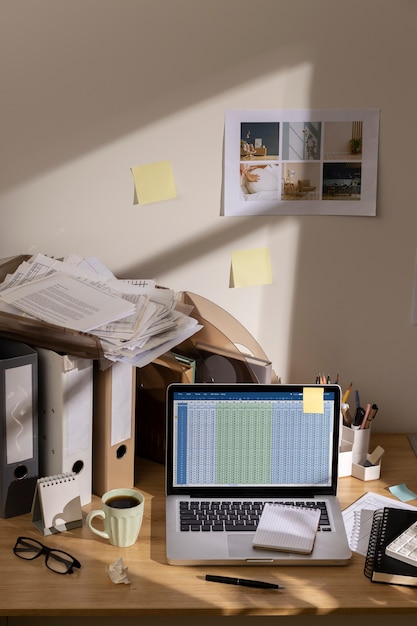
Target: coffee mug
x=122, y=514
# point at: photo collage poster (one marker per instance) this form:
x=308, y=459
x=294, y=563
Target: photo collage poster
x=301, y=162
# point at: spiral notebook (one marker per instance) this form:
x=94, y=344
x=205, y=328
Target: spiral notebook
x=387, y=524
x=287, y=528
x=57, y=504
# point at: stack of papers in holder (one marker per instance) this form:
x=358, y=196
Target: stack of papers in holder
x=135, y=320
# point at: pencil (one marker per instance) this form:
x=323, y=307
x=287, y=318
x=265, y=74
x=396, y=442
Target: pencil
x=346, y=394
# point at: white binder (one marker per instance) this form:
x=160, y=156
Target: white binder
x=66, y=417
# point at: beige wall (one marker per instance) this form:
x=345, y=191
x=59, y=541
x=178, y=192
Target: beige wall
x=91, y=88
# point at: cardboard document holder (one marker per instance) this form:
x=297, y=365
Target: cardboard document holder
x=224, y=350
x=114, y=427
x=152, y=382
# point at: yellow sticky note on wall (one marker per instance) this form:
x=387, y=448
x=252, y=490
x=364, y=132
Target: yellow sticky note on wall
x=251, y=267
x=313, y=400
x=154, y=182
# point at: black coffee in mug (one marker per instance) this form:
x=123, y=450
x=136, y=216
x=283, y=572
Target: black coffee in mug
x=122, y=502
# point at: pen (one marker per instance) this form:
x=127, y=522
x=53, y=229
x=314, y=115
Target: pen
x=365, y=417
x=357, y=398
x=243, y=582
x=357, y=420
x=371, y=416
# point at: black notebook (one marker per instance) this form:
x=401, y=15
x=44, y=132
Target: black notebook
x=387, y=525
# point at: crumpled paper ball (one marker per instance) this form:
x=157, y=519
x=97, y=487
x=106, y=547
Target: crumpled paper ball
x=118, y=573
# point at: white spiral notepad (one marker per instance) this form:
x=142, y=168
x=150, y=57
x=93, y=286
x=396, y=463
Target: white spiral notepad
x=287, y=528
x=57, y=503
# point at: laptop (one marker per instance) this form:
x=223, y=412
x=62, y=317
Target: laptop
x=232, y=447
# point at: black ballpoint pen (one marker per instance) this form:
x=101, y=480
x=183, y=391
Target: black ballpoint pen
x=242, y=582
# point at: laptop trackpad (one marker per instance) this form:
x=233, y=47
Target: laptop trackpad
x=240, y=546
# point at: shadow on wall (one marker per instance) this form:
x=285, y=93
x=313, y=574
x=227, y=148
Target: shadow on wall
x=82, y=74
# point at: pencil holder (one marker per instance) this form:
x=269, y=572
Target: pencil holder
x=363, y=472
x=360, y=442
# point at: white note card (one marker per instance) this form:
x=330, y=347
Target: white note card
x=287, y=528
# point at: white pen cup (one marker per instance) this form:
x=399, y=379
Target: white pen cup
x=122, y=515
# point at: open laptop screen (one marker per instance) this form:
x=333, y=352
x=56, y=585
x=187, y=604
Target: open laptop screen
x=253, y=436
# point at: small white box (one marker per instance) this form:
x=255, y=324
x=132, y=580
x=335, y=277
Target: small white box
x=372, y=472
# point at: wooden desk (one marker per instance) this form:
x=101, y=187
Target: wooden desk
x=158, y=589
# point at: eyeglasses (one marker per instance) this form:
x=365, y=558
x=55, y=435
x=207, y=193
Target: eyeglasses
x=55, y=560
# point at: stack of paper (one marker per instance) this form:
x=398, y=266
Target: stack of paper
x=135, y=320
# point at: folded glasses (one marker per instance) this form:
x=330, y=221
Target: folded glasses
x=55, y=560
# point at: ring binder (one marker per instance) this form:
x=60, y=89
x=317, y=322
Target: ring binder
x=66, y=417
x=19, y=427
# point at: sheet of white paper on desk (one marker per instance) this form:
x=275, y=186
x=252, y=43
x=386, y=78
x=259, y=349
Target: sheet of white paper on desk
x=357, y=535
x=82, y=306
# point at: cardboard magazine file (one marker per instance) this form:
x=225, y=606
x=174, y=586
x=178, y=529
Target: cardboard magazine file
x=19, y=468
x=38, y=333
x=223, y=349
x=152, y=382
x=114, y=397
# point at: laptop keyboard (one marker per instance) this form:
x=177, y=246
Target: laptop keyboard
x=219, y=516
